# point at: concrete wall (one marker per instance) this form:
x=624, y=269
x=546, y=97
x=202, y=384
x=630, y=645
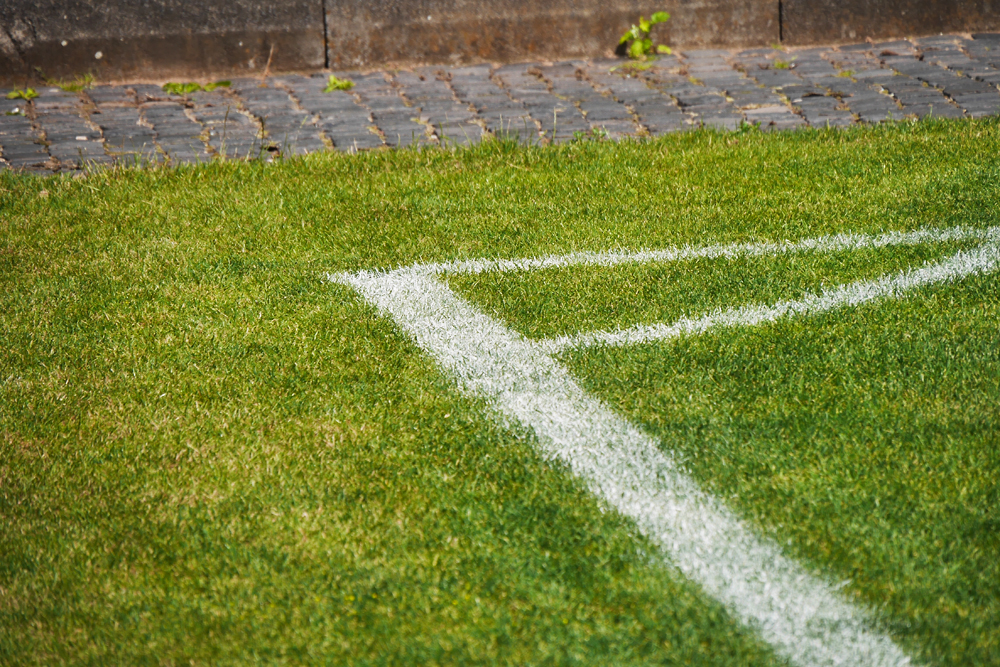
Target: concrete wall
x=164, y=38
x=160, y=37
x=817, y=21
x=361, y=32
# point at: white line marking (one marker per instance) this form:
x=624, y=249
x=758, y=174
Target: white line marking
x=833, y=243
x=979, y=260
x=802, y=616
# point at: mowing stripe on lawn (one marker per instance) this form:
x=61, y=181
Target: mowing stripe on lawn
x=802, y=616
x=831, y=243
x=964, y=263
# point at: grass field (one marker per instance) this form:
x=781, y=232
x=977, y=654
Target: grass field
x=210, y=453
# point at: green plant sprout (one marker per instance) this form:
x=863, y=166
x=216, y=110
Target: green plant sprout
x=175, y=88
x=785, y=64
x=27, y=95
x=642, y=45
x=79, y=82
x=337, y=84
x=632, y=66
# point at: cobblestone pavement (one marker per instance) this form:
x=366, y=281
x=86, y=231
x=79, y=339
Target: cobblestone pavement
x=951, y=76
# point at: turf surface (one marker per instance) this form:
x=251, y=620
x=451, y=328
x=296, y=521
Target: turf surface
x=866, y=441
x=554, y=302
x=209, y=454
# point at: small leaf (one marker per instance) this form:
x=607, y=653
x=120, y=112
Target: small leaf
x=644, y=25
x=631, y=33
x=337, y=84
x=636, y=51
x=27, y=95
x=663, y=48
x=659, y=17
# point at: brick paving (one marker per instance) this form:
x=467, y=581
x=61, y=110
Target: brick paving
x=950, y=76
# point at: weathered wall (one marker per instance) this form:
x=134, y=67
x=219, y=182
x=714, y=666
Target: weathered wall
x=819, y=21
x=363, y=32
x=162, y=38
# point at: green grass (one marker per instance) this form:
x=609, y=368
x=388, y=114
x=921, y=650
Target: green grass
x=868, y=442
x=209, y=455
x=554, y=302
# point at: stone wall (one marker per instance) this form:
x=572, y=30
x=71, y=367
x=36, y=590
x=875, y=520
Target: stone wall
x=163, y=38
x=825, y=21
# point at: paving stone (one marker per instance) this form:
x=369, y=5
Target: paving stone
x=774, y=78
x=773, y=117
x=55, y=98
x=821, y=110
x=176, y=134
x=435, y=104
x=935, y=41
x=558, y=119
x=354, y=142
x=758, y=52
x=814, y=68
x=900, y=47
x=229, y=132
x=980, y=105
x=656, y=111
x=339, y=115
x=657, y=124
x=600, y=110
x=112, y=95
x=711, y=55
x=71, y=139
x=943, y=75
x=873, y=109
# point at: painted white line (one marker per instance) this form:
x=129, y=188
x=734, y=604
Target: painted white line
x=803, y=617
x=833, y=243
x=979, y=260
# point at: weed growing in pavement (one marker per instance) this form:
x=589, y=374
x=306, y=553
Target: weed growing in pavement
x=632, y=66
x=27, y=94
x=642, y=45
x=785, y=64
x=175, y=88
x=79, y=82
x=337, y=84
